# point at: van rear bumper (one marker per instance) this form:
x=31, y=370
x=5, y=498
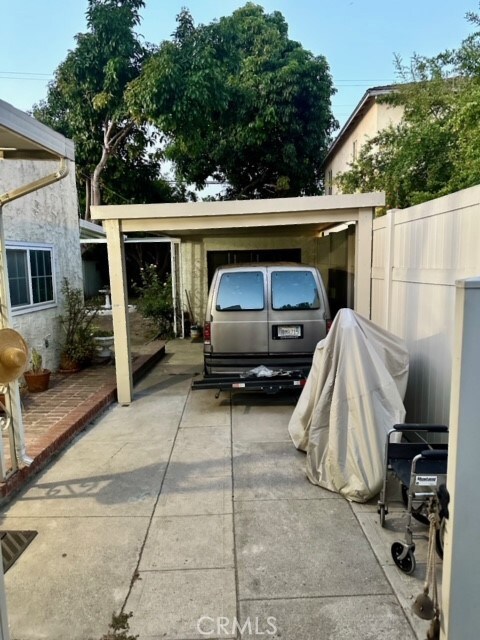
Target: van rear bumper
x=240, y=363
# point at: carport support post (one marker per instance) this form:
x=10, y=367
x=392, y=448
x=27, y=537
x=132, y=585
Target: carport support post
x=461, y=563
x=118, y=288
x=363, y=262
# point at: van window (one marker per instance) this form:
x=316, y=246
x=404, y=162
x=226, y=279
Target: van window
x=243, y=291
x=294, y=290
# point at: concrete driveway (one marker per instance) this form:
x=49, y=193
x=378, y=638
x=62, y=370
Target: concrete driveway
x=194, y=513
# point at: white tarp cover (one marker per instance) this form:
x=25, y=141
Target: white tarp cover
x=352, y=398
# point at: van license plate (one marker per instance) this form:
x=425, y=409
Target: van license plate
x=286, y=333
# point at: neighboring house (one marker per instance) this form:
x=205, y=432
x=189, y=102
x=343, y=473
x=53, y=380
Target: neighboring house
x=42, y=242
x=337, y=247
x=369, y=117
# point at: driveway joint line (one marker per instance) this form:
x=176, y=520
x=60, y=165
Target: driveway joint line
x=382, y=567
x=140, y=555
x=323, y=597
x=227, y=567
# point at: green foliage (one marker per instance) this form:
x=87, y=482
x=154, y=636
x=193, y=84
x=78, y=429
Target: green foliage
x=37, y=361
x=86, y=102
x=155, y=299
x=435, y=150
x=76, y=322
x=119, y=628
x=101, y=333
x=239, y=101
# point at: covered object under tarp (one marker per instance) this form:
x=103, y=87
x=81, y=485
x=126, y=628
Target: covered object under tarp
x=352, y=398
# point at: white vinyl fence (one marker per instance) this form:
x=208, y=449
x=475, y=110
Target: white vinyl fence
x=418, y=254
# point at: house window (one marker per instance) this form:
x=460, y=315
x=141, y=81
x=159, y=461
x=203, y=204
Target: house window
x=30, y=276
x=329, y=183
x=354, y=150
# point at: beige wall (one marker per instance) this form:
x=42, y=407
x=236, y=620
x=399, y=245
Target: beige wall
x=337, y=251
x=49, y=215
x=418, y=254
x=377, y=117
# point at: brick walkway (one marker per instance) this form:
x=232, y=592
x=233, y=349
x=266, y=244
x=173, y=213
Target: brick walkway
x=52, y=418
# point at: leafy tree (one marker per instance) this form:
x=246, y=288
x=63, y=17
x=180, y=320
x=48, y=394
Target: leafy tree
x=86, y=101
x=435, y=150
x=239, y=101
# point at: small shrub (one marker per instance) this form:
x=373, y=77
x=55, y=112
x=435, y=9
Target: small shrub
x=78, y=345
x=119, y=628
x=101, y=333
x=155, y=300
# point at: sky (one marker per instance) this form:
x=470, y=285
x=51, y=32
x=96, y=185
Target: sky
x=359, y=38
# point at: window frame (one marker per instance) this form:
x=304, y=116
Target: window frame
x=27, y=247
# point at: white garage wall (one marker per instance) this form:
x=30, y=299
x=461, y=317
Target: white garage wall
x=418, y=254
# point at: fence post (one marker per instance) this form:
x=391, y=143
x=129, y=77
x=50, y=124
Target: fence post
x=363, y=263
x=461, y=564
x=388, y=277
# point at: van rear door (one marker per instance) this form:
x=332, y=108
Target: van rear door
x=239, y=312
x=296, y=317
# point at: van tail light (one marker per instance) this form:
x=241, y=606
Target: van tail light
x=207, y=333
x=329, y=325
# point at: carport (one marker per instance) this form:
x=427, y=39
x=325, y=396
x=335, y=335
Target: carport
x=309, y=215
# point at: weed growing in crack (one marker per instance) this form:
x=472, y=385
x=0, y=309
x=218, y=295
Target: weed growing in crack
x=119, y=628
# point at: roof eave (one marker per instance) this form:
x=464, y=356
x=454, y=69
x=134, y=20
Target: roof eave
x=369, y=96
x=24, y=138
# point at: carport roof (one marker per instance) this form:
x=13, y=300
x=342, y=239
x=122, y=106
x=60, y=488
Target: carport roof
x=306, y=215
x=313, y=213
x=24, y=138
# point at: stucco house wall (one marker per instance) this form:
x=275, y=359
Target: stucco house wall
x=47, y=217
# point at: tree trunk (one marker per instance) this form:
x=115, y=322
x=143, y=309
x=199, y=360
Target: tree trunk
x=88, y=194
x=96, y=193
x=111, y=141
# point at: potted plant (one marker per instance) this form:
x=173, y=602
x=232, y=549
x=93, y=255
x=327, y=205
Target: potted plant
x=78, y=346
x=37, y=378
x=103, y=339
x=195, y=331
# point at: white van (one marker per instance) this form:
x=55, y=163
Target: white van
x=264, y=314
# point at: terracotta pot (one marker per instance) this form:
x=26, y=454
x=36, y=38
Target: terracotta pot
x=67, y=365
x=37, y=382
